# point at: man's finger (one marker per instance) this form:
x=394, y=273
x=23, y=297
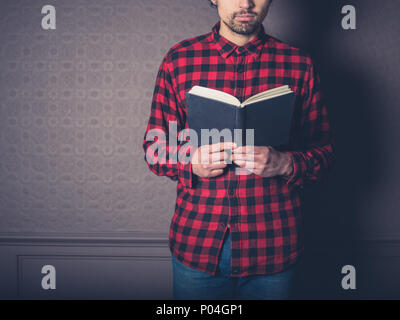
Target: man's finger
x=245, y=157
x=218, y=157
x=216, y=147
x=216, y=173
x=215, y=166
x=209, y=158
x=246, y=149
x=245, y=164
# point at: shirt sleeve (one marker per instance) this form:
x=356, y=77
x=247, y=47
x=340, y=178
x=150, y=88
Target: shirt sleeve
x=314, y=152
x=161, y=156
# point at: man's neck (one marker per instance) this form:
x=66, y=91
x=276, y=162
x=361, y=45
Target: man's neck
x=238, y=39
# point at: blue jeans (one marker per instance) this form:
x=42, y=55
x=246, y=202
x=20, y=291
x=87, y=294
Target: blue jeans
x=191, y=284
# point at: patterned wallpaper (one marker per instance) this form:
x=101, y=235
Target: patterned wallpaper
x=75, y=101
x=73, y=111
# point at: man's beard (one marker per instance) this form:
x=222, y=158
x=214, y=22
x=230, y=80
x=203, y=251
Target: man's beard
x=243, y=27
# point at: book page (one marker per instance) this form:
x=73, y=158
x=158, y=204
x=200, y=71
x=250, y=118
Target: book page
x=268, y=94
x=215, y=95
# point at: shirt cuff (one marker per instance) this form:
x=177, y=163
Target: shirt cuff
x=299, y=169
x=185, y=174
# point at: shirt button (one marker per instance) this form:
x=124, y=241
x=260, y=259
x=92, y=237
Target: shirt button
x=231, y=192
x=235, y=270
x=240, y=68
x=310, y=164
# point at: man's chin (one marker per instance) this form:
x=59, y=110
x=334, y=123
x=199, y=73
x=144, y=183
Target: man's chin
x=244, y=29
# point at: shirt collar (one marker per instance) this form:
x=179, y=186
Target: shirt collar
x=226, y=48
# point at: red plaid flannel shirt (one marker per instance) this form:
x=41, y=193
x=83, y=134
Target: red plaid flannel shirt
x=263, y=214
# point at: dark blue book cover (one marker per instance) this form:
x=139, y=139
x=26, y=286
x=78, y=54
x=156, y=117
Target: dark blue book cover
x=270, y=118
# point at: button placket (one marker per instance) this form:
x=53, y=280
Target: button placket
x=240, y=68
x=239, y=71
x=240, y=75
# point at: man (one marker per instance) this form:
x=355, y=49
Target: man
x=238, y=236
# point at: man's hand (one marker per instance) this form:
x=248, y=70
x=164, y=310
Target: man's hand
x=210, y=160
x=263, y=161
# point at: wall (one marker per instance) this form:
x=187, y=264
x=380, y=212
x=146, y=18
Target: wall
x=75, y=191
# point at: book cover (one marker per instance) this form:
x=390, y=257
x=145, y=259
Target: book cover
x=269, y=113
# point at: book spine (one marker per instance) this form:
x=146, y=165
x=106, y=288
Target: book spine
x=240, y=121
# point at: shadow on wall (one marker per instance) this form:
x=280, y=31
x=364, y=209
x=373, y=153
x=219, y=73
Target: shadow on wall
x=332, y=209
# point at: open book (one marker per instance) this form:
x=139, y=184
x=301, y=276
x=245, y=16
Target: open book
x=228, y=98
x=269, y=113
